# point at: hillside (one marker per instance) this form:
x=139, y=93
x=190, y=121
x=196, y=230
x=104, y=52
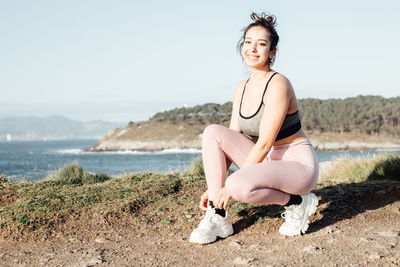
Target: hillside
x=363, y=122
x=52, y=127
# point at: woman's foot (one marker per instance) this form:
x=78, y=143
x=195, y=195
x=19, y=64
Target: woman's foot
x=296, y=216
x=211, y=227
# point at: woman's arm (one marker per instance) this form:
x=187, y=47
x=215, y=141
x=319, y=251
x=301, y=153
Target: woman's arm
x=276, y=100
x=234, y=124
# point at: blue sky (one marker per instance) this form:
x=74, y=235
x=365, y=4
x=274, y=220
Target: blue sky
x=126, y=60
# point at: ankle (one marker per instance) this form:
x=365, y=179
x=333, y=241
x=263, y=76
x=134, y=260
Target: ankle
x=220, y=212
x=294, y=200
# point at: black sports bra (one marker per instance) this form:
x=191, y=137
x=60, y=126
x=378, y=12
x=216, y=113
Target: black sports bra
x=250, y=125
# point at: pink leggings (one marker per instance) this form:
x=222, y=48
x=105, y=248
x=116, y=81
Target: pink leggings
x=287, y=169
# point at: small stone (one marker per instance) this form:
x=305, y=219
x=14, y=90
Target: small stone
x=51, y=254
x=242, y=260
x=236, y=243
x=258, y=247
x=95, y=260
x=91, y=250
x=189, y=216
x=310, y=249
x=375, y=256
x=389, y=234
x=331, y=229
x=100, y=240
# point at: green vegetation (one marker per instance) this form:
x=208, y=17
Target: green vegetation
x=350, y=170
x=154, y=200
x=196, y=167
x=361, y=114
x=75, y=174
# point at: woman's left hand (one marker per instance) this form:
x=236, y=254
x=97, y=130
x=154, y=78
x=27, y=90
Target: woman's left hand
x=221, y=199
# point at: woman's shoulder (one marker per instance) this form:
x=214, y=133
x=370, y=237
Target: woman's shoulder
x=279, y=87
x=280, y=81
x=240, y=86
x=280, y=78
x=242, y=83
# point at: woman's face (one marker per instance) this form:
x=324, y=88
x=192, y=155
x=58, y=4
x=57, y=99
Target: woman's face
x=256, y=47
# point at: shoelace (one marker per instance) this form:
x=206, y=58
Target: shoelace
x=290, y=216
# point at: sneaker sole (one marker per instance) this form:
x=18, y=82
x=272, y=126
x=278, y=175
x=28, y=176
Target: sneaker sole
x=222, y=233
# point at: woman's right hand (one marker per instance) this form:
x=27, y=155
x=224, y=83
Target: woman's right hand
x=204, y=201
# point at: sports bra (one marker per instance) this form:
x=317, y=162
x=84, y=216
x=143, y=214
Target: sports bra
x=251, y=125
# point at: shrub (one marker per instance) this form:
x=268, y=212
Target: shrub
x=386, y=168
x=75, y=174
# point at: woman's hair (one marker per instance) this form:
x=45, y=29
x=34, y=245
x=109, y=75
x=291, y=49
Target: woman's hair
x=268, y=22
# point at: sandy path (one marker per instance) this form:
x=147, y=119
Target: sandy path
x=370, y=236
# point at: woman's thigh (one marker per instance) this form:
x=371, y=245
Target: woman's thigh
x=289, y=177
x=234, y=145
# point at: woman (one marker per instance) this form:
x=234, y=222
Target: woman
x=265, y=140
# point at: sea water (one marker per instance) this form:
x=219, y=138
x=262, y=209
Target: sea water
x=34, y=160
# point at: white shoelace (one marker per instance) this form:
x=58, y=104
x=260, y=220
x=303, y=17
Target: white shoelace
x=292, y=216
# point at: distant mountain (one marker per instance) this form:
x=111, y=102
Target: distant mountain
x=52, y=127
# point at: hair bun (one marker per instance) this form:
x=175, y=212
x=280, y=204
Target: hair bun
x=263, y=17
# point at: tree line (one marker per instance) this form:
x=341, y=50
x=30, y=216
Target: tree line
x=361, y=114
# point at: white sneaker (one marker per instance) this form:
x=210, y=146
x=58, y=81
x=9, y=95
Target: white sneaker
x=296, y=216
x=212, y=226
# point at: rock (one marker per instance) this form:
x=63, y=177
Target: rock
x=389, y=234
x=331, y=229
x=95, y=260
x=91, y=250
x=375, y=256
x=310, y=249
x=100, y=240
x=242, y=260
x=189, y=216
x=236, y=243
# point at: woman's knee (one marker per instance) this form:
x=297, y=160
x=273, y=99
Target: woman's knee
x=212, y=131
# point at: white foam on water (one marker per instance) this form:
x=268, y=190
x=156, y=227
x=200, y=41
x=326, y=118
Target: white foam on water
x=77, y=151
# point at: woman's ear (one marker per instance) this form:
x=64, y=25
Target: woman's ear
x=272, y=54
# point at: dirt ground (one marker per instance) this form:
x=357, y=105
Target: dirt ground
x=362, y=231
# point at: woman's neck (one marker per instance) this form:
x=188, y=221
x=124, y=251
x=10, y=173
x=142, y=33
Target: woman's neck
x=259, y=74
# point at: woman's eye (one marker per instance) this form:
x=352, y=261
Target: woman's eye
x=246, y=42
x=263, y=44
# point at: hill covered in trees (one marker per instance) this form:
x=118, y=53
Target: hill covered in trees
x=362, y=114
x=362, y=122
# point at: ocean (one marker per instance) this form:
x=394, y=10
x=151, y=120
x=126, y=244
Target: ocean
x=32, y=161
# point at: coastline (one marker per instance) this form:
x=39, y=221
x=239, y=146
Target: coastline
x=154, y=146
x=161, y=135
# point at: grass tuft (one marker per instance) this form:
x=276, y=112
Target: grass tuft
x=355, y=170
x=196, y=167
x=75, y=174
